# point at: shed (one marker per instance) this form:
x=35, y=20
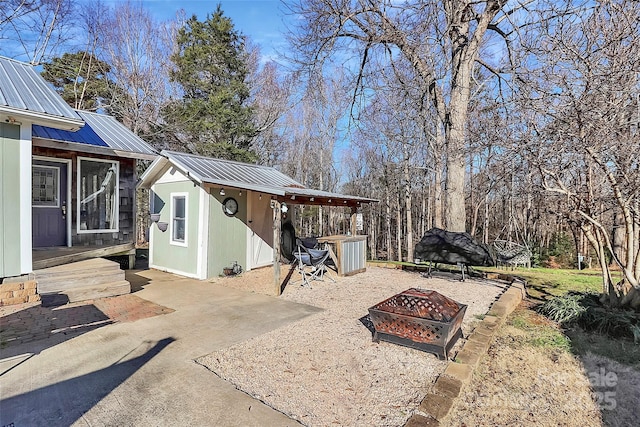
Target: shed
x=217, y=212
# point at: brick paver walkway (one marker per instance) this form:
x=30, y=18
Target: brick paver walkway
x=30, y=322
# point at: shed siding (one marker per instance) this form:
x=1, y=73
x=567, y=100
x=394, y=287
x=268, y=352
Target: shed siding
x=166, y=256
x=227, y=234
x=10, y=215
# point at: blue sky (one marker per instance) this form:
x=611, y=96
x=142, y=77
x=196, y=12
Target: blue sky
x=261, y=20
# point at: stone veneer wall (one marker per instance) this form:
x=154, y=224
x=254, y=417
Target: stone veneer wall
x=18, y=290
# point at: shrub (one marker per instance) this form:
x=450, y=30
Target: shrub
x=565, y=309
x=585, y=310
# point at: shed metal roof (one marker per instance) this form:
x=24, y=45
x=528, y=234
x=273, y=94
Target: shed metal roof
x=225, y=173
x=100, y=130
x=24, y=92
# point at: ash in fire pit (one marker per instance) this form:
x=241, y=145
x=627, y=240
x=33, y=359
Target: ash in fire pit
x=422, y=319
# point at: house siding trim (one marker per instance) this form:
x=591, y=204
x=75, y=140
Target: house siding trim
x=26, y=241
x=203, y=228
x=173, y=270
x=15, y=200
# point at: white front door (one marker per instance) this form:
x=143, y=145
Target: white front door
x=259, y=231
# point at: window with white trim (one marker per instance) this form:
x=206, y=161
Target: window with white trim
x=179, y=218
x=98, y=208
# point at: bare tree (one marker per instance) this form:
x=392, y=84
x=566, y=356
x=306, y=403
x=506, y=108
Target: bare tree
x=442, y=40
x=585, y=90
x=137, y=48
x=313, y=129
x=271, y=97
x=36, y=29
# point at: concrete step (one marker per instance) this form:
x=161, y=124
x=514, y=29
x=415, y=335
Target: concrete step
x=110, y=289
x=90, y=267
x=82, y=280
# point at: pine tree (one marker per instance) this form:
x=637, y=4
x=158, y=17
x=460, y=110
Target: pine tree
x=212, y=117
x=81, y=79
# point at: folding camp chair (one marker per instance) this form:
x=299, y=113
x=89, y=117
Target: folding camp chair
x=311, y=263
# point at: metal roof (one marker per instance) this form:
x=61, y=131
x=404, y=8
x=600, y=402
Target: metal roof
x=100, y=130
x=115, y=134
x=230, y=173
x=225, y=173
x=24, y=91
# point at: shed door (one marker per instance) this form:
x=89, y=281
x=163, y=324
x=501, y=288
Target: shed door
x=260, y=231
x=49, y=203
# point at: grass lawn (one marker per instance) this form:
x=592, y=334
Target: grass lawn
x=545, y=283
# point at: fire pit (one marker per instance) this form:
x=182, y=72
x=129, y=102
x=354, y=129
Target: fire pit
x=421, y=319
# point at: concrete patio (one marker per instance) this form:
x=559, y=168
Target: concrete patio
x=123, y=368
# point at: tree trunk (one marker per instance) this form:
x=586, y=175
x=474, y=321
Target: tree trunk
x=423, y=213
x=438, y=209
x=399, y=228
x=607, y=283
x=387, y=223
x=408, y=200
x=485, y=230
x=373, y=236
x=618, y=237
x=455, y=145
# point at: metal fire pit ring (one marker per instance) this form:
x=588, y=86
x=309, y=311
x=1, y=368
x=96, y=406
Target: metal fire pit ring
x=422, y=319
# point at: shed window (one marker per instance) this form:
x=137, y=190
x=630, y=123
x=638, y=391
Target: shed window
x=179, y=218
x=97, y=195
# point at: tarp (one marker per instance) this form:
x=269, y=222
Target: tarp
x=452, y=248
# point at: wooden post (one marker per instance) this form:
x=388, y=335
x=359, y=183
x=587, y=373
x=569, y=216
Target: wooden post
x=277, y=236
x=354, y=229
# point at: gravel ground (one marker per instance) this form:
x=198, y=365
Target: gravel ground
x=325, y=370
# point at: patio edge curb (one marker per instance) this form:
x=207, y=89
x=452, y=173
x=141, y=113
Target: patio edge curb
x=437, y=404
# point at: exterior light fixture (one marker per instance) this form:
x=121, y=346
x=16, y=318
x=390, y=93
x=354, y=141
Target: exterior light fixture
x=222, y=193
x=284, y=208
x=260, y=197
x=155, y=217
x=240, y=193
x=162, y=226
x=312, y=199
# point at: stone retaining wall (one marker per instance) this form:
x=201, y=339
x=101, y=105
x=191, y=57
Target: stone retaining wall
x=437, y=404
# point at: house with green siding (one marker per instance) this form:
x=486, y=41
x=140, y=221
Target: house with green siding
x=25, y=100
x=67, y=184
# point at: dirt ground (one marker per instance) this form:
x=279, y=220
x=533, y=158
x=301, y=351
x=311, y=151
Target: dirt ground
x=530, y=378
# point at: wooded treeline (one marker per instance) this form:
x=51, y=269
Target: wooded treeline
x=512, y=120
